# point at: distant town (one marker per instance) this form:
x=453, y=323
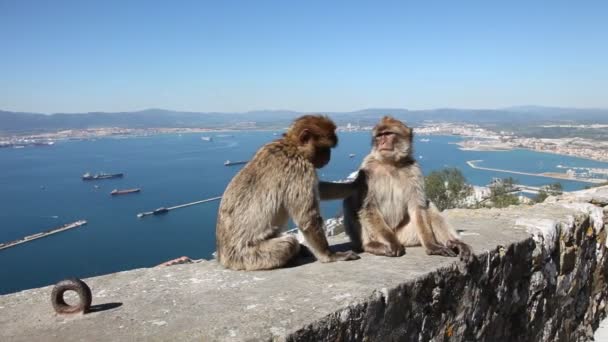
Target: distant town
x=480, y=139
x=475, y=138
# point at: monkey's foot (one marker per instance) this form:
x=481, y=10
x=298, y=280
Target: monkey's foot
x=441, y=250
x=344, y=256
x=464, y=251
x=378, y=248
x=394, y=251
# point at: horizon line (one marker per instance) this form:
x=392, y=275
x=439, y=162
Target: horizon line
x=518, y=107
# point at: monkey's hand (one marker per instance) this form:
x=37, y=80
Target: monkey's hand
x=341, y=256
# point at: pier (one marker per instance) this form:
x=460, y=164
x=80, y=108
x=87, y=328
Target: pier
x=163, y=210
x=552, y=175
x=527, y=189
x=43, y=234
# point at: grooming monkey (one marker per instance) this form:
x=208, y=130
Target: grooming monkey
x=391, y=211
x=281, y=182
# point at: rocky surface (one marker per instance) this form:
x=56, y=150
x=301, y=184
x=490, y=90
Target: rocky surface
x=540, y=275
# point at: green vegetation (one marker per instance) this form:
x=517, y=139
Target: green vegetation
x=553, y=189
x=447, y=188
x=501, y=193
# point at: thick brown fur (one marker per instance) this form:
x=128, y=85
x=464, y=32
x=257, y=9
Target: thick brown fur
x=391, y=212
x=278, y=183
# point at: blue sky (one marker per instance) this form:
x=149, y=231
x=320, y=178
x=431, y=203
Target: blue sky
x=79, y=56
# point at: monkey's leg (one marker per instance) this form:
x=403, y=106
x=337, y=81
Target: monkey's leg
x=421, y=221
x=377, y=237
x=271, y=253
x=446, y=235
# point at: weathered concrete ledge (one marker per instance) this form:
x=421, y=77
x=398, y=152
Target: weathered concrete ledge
x=540, y=275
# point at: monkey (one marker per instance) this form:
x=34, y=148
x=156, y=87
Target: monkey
x=390, y=211
x=280, y=182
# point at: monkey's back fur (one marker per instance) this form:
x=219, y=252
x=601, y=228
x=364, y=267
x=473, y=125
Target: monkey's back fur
x=257, y=205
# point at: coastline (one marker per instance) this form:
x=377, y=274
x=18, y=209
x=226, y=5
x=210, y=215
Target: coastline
x=485, y=140
x=553, y=175
x=486, y=148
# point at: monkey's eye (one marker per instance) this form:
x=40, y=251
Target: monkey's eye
x=382, y=134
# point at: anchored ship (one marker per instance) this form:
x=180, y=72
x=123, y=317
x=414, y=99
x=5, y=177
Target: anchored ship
x=229, y=163
x=89, y=176
x=123, y=192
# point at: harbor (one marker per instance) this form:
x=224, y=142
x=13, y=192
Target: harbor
x=163, y=210
x=553, y=175
x=43, y=234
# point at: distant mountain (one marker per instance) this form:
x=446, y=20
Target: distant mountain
x=16, y=122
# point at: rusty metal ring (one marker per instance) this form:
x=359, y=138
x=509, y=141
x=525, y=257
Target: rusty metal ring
x=74, y=284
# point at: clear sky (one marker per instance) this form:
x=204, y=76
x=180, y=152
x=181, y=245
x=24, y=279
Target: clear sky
x=223, y=55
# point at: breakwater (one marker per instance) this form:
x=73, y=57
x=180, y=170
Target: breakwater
x=163, y=210
x=554, y=175
x=43, y=234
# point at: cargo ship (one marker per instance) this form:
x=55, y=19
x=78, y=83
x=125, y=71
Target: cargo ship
x=88, y=176
x=124, y=192
x=229, y=163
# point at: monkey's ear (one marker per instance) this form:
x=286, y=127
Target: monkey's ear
x=305, y=136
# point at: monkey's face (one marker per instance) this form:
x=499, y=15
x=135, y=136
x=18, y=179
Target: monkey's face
x=392, y=139
x=321, y=157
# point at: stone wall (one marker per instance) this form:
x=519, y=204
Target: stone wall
x=540, y=275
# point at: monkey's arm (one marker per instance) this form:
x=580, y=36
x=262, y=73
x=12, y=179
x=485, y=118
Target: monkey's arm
x=332, y=191
x=304, y=209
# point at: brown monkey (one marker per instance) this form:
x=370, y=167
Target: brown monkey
x=280, y=182
x=391, y=211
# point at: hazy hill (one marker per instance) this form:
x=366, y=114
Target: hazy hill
x=16, y=122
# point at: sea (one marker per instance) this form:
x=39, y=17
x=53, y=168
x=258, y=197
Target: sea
x=41, y=188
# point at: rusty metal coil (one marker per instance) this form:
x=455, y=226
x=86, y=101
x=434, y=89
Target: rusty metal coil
x=82, y=290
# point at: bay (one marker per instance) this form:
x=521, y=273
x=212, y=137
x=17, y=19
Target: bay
x=41, y=189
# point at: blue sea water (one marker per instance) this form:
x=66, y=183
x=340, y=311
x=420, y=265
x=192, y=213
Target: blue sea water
x=41, y=189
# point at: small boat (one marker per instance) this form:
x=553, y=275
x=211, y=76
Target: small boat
x=88, y=176
x=206, y=138
x=124, y=192
x=425, y=140
x=351, y=155
x=229, y=163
